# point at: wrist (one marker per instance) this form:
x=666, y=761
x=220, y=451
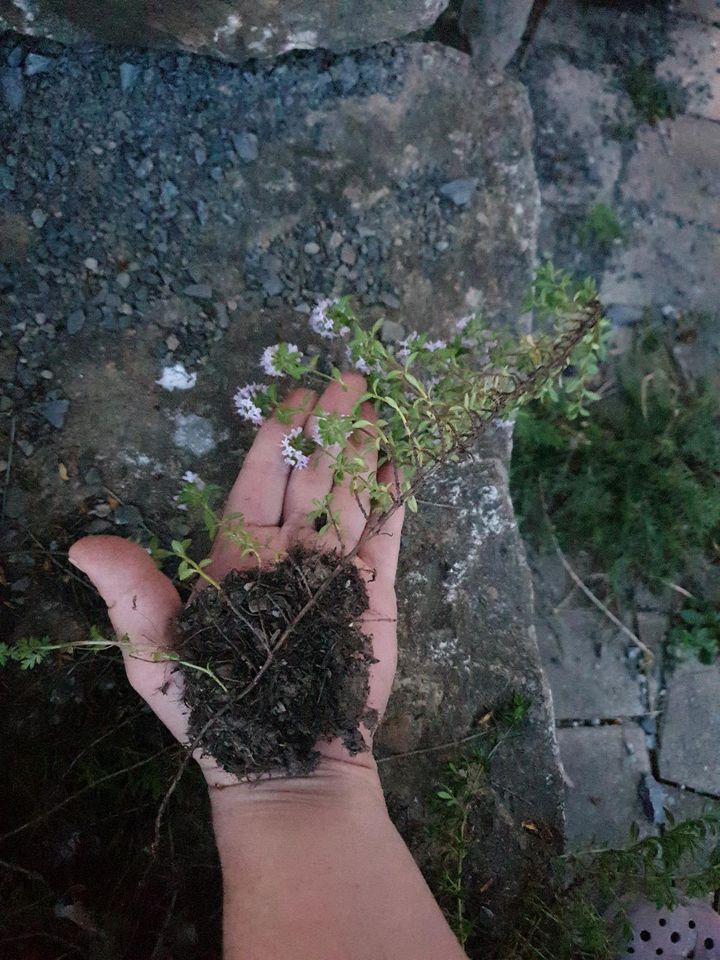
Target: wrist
x=246, y=813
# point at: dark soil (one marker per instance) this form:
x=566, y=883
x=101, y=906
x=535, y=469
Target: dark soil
x=316, y=685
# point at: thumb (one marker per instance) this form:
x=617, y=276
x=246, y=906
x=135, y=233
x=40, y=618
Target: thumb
x=142, y=604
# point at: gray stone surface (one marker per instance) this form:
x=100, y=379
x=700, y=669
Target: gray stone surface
x=232, y=29
x=585, y=659
x=494, y=29
x=694, y=62
x=604, y=768
x=690, y=734
x=466, y=616
x=676, y=171
x=704, y=9
x=668, y=262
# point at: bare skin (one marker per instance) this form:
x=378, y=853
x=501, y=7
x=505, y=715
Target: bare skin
x=312, y=867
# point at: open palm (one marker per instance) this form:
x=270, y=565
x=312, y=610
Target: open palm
x=275, y=501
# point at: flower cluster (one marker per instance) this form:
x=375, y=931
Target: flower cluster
x=327, y=320
x=292, y=445
x=281, y=359
x=247, y=405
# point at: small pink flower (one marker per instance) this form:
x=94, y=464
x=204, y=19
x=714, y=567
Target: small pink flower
x=292, y=454
x=245, y=403
x=268, y=360
x=190, y=477
x=404, y=346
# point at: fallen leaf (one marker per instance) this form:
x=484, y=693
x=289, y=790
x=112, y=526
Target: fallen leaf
x=62, y=470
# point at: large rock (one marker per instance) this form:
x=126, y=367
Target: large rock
x=231, y=29
x=201, y=234
x=494, y=29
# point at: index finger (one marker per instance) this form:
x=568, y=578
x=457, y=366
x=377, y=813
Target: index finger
x=259, y=491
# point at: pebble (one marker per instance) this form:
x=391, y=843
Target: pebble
x=91, y=264
x=273, y=285
x=199, y=291
x=129, y=73
x=123, y=280
x=194, y=433
x=459, y=191
x=127, y=515
x=55, y=411
x=246, y=145
x=13, y=91
x=39, y=218
x=144, y=168
x=172, y=343
x=348, y=255
x=75, y=322
x=14, y=58
x=168, y=193
x=200, y=155
x=391, y=331
x=312, y=248
x=34, y=64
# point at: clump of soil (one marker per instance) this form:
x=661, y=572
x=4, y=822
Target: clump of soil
x=314, y=688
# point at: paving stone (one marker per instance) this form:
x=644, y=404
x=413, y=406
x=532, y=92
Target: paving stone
x=695, y=61
x=676, y=170
x=604, y=767
x=583, y=106
x=670, y=263
x=585, y=661
x=690, y=739
x=705, y=9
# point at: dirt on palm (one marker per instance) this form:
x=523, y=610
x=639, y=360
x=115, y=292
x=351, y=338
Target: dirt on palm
x=314, y=688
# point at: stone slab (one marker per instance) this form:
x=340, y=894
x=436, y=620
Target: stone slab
x=704, y=9
x=466, y=645
x=585, y=660
x=604, y=767
x=665, y=262
x=690, y=734
x=676, y=170
x=231, y=29
x=695, y=62
x=495, y=29
x=574, y=108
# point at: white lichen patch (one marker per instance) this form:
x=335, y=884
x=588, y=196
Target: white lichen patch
x=228, y=30
x=177, y=378
x=25, y=9
x=302, y=40
x=487, y=518
x=446, y=652
x=260, y=45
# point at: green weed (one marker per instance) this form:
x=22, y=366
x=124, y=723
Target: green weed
x=652, y=97
x=634, y=478
x=697, y=633
x=582, y=918
x=600, y=229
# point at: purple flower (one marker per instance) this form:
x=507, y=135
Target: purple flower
x=433, y=345
x=462, y=323
x=268, y=360
x=245, y=403
x=190, y=477
x=292, y=454
x=324, y=325
x=404, y=346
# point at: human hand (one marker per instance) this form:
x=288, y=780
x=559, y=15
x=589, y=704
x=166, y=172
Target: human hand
x=275, y=501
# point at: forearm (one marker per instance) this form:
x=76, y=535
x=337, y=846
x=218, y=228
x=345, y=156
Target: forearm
x=313, y=869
